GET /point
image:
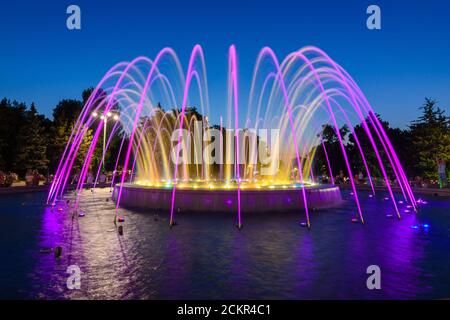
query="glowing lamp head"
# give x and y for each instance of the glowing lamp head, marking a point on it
(116, 117)
(94, 114)
(109, 114)
(102, 117)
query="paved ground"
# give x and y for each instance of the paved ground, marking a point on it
(433, 191)
(20, 187)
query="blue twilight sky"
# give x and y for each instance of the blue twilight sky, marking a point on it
(396, 67)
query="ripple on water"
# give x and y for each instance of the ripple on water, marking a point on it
(206, 257)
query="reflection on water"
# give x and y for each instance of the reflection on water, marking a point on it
(205, 256)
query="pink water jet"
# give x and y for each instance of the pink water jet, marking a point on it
(296, 96)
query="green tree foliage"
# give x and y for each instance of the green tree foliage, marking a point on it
(430, 138)
(29, 140)
(12, 120)
(67, 111)
(65, 116)
(59, 137)
(399, 139)
(334, 150)
(83, 150)
(32, 143)
(113, 148)
(418, 148)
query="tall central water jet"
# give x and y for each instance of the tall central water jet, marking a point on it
(177, 154)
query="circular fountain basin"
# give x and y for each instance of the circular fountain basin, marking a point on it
(225, 200)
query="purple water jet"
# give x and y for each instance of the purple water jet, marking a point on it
(297, 97)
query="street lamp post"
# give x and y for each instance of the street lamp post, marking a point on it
(104, 118)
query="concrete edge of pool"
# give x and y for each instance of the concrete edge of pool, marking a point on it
(223, 200)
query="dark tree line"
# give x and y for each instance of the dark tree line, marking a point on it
(419, 147)
(29, 140)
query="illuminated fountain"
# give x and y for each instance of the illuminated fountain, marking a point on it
(252, 159)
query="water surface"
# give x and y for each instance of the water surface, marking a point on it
(206, 257)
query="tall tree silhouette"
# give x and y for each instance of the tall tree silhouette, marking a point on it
(32, 143)
(431, 139)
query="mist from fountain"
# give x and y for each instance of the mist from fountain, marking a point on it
(296, 97)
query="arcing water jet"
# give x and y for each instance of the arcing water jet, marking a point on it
(296, 97)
